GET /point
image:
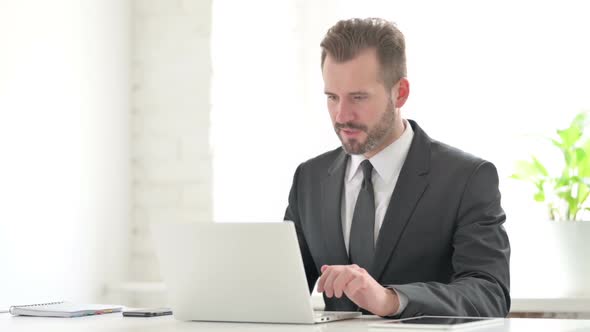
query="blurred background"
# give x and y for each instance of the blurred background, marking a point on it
(118, 113)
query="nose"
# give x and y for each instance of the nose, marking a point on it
(344, 112)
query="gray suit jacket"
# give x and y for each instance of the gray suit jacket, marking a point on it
(441, 243)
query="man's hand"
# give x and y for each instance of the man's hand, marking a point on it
(358, 285)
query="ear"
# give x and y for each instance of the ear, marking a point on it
(400, 92)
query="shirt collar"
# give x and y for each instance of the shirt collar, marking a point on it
(388, 161)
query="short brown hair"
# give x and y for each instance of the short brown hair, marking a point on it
(347, 38)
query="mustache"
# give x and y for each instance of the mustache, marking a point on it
(350, 125)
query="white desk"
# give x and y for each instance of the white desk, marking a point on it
(561, 305)
(520, 304)
(116, 322)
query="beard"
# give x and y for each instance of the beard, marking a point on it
(375, 135)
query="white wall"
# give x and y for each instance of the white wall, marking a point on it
(485, 76)
(64, 116)
(171, 159)
(64, 157)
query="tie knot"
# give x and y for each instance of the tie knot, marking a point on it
(367, 171)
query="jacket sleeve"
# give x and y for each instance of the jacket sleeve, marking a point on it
(481, 253)
(292, 214)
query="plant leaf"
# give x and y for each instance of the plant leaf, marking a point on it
(584, 165)
(563, 181)
(527, 171)
(569, 136)
(580, 120)
(556, 143)
(539, 167)
(580, 155)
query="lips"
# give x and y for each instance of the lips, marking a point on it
(350, 132)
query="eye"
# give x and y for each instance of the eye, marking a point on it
(332, 97)
(359, 98)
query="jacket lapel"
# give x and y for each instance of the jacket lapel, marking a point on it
(411, 184)
(331, 216)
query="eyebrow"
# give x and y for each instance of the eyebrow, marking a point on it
(354, 93)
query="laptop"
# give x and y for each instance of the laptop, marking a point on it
(236, 272)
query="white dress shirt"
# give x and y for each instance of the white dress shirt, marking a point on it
(387, 165)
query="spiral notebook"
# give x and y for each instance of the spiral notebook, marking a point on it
(63, 309)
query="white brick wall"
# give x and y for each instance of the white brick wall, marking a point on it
(171, 161)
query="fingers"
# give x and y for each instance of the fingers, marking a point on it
(359, 286)
(323, 278)
(329, 275)
(341, 281)
(335, 278)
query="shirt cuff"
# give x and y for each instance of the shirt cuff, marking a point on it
(403, 301)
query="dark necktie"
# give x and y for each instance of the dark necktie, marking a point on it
(362, 231)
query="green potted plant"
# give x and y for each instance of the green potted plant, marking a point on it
(566, 196)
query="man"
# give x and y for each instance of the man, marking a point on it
(394, 223)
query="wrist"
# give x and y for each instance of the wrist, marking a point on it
(391, 304)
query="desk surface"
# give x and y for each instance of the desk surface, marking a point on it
(116, 322)
(564, 305)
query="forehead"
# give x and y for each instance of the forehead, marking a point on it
(359, 73)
